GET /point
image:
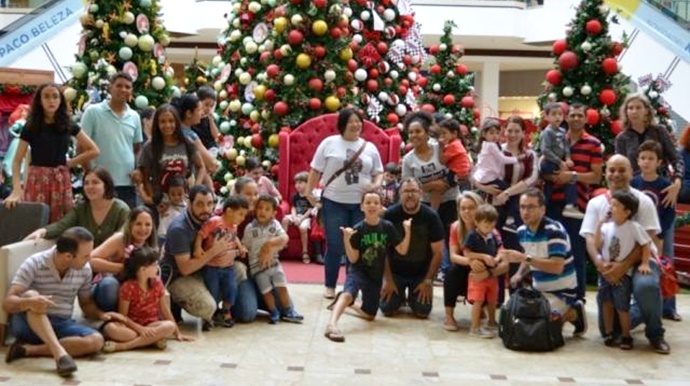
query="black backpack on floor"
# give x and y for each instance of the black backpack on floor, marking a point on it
(525, 323)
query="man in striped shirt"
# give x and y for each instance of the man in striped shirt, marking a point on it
(588, 156)
(547, 256)
(41, 301)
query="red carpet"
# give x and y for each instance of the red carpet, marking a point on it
(298, 272)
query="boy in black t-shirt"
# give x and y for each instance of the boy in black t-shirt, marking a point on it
(367, 246)
(300, 215)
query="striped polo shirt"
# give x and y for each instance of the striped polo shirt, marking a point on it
(585, 152)
(38, 273)
(548, 242)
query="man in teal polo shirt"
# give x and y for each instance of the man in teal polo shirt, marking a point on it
(116, 129)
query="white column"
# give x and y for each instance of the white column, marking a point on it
(488, 88)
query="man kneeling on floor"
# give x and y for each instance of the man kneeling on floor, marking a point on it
(41, 301)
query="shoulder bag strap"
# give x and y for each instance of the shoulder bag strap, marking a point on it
(347, 164)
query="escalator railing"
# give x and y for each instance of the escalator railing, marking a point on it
(30, 31)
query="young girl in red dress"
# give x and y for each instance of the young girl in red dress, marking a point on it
(48, 130)
(142, 302)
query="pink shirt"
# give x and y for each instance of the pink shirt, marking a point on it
(267, 187)
(491, 162)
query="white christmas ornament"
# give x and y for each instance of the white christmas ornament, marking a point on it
(131, 40)
(389, 14)
(235, 105)
(383, 96)
(653, 94)
(254, 7)
(296, 20)
(400, 110)
(436, 87)
(243, 61)
(329, 75)
(416, 59)
(586, 46)
(223, 95)
(245, 78)
(217, 85)
(223, 105)
(127, 17)
(99, 24)
(247, 108)
(141, 101)
(289, 80)
(394, 74)
(146, 42)
(70, 94)
(125, 53)
(585, 90)
(365, 15)
(568, 91)
(553, 96)
(250, 47)
(347, 11)
(158, 83)
(176, 91)
(361, 74)
(357, 38)
(450, 74)
(236, 23)
(443, 47)
(235, 35)
(356, 25)
(238, 72)
(412, 76)
(216, 60)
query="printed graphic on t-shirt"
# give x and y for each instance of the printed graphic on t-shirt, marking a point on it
(352, 172)
(614, 248)
(174, 166)
(430, 173)
(374, 245)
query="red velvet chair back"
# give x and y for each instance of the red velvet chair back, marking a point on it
(297, 147)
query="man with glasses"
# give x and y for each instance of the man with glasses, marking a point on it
(409, 278)
(548, 259)
(646, 307)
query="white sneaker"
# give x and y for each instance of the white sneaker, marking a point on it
(481, 333)
(572, 211)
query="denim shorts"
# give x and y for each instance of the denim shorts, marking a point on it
(63, 327)
(371, 291)
(618, 294)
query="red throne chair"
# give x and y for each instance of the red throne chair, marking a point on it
(297, 148)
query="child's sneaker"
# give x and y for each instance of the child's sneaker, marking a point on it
(571, 211)
(510, 225)
(275, 316)
(292, 316)
(480, 332)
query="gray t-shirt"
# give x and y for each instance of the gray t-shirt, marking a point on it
(554, 145)
(174, 161)
(427, 171)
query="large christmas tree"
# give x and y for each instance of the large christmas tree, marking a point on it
(450, 87)
(278, 66)
(121, 36)
(587, 71)
(388, 56)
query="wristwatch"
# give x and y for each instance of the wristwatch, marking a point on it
(574, 177)
(528, 259)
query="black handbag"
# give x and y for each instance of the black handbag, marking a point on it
(526, 323)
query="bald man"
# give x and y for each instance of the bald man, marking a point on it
(647, 306)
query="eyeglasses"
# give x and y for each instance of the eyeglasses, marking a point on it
(410, 191)
(529, 207)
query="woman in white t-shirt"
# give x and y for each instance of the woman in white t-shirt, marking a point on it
(349, 166)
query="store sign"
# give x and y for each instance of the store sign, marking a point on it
(655, 24)
(34, 32)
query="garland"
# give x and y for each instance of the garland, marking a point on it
(17, 89)
(682, 220)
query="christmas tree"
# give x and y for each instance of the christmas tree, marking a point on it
(450, 88)
(588, 72)
(121, 36)
(653, 88)
(278, 66)
(195, 74)
(388, 56)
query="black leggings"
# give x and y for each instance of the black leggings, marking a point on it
(455, 284)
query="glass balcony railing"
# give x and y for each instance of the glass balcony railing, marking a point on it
(30, 4)
(678, 10)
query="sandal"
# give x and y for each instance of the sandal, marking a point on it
(626, 343)
(305, 258)
(451, 326)
(334, 335)
(109, 347)
(609, 340)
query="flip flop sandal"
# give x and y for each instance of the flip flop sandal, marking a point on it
(334, 335)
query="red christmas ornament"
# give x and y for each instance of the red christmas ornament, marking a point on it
(449, 99)
(255, 128)
(392, 118)
(372, 85)
(402, 90)
(316, 84)
(554, 77)
(467, 102)
(559, 47)
(458, 49)
(593, 27)
(382, 48)
(616, 48)
(607, 97)
(567, 60)
(616, 127)
(257, 141)
(405, 82)
(433, 50)
(269, 95)
(295, 37)
(272, 70)
(422, 81)
(461, 69)
(336, 33)
(319, 51)
(407, 60)
(429, 108)
(388, 82)
(275, 170)
(280, 108)
(477, 115)
(373, 73)
(314, 103)
(341, 92)
(277, 54)
(320, 3)
(435, 69)
(246, 18)
(610, 66)
(592, 117)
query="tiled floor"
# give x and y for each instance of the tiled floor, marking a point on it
(398, 351)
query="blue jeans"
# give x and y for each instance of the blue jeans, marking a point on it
(619, 295)
(448, 212)
(220, 282)
(570, 190)
(405, 286)
(128, 194)
(63, 327)
(647, 304)
(246, 302)
(336, 215)
(105, 293)
(578, 245)
(355, 282)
